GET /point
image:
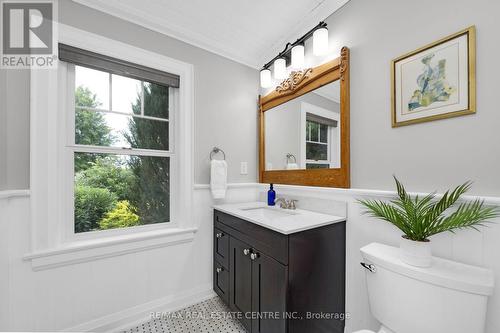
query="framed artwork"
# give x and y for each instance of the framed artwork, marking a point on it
(436, 81)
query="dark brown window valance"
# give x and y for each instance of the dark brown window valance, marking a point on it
(105, 63)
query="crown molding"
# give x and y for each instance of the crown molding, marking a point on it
(150, 22)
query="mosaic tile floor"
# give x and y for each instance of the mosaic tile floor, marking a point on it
(204, 317)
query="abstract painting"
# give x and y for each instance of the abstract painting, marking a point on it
(432, 85)
(436, 81)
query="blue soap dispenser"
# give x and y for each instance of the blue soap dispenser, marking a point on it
(271, 196)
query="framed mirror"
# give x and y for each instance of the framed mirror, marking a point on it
(304, 127)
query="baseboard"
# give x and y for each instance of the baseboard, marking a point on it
(136, 315)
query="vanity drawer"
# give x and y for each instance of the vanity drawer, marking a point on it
(221, 247)
(268, 241)
(221, 281)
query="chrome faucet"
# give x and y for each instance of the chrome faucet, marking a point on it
(286, 203)
(283, 202)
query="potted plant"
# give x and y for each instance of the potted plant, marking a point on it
(422, 217)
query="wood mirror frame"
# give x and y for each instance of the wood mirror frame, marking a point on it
(298, 84)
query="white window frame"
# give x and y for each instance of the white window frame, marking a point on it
(333, 135)
(69, 112)
(328, 144)
(51, 163)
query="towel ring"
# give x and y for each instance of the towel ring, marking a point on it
(290, 156)
(217, 150)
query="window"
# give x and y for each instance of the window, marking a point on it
(318, 145)
(53, 150)
(319, 137)
(122, 150)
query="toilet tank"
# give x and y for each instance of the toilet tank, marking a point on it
(444, 298)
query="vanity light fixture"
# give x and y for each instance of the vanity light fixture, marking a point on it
(320, 41)
(298, 56)
(266, 80)
(280, 69)
(293, 55)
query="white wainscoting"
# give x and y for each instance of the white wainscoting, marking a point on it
(96, 295)
(105, 293)
(117, 292)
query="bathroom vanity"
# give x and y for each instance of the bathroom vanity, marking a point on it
(280, 270)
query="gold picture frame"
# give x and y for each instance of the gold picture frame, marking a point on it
(428, 104)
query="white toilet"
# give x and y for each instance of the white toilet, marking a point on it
(448, 297)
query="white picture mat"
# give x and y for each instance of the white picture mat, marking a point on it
(407, 70)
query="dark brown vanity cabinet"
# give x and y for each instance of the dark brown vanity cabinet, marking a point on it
(281, 283)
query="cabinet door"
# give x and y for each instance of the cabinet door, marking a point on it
(269, 287)
(221, 282)
(240, 284)
(221, 247)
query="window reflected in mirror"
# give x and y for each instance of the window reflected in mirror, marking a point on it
(304, 133)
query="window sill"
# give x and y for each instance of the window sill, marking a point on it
(84, 251)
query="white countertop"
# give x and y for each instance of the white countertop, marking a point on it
(284, 221)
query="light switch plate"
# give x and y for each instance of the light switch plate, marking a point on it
(244, 168)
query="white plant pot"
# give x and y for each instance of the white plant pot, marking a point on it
(416, 253)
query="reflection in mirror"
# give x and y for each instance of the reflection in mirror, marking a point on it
(304, 133)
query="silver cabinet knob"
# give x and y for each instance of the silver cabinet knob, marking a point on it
(254, 256)
(219, 235)
(218, 270)
(246, 251)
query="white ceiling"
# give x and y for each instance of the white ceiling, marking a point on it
(249, 32)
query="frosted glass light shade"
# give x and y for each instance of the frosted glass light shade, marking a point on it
(320, 41)
(280, 69)
(265, 78)
(298, 56)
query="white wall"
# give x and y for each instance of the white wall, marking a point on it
(14, 129)
(3, 129)
(427, 156)
(431, 155)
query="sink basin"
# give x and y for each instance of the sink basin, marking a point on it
(268, 213)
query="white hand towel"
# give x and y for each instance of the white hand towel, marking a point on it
(218, 178)
(291, 166)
